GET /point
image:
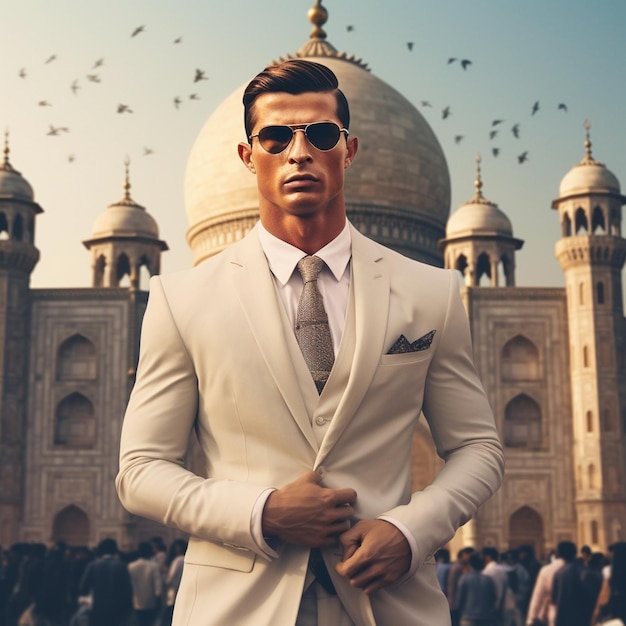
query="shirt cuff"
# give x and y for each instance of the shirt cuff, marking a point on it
(268, 545)
(412, 544)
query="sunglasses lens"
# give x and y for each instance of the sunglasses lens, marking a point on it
(275, 139)
(323, 135)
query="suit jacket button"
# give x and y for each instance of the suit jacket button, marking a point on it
(322, 471)
(320, 421)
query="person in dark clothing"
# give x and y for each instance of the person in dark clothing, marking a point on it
(612, 600)
(476, 595)
(591, 581)
(108, 582)
(526, 558)
(567, 592)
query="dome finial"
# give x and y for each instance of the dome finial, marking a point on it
(588, 158)
(318, 16)
(127, 197)
(6, 165)
(478, 182)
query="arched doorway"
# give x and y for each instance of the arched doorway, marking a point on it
(71, 525)
(526, 528)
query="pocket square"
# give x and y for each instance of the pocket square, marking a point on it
(402, 344)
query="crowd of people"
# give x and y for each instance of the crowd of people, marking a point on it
(78, 586)
(572, 588)
(64, 586)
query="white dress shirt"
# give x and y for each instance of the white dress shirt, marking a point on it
(334, 285)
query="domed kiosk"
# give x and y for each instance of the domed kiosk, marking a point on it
(397, 190)
(125, 238)
(479, 239)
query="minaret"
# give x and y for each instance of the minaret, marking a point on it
(18, 257)
(125, 238)
(591, 253)
(479, 240)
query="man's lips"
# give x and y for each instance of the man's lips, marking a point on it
(300, 179)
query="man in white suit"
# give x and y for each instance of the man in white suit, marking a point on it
(305, 513)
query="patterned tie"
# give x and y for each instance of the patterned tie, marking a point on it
(312, 330)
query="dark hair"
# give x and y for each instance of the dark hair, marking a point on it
(476, 561)
(294, 76)
(107, 546)
(566, 550)
(145, 550)
(491, 552)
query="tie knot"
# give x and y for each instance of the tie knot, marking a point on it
(310, 267)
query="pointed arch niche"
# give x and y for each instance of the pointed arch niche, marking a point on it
(76, 359)
(71, 525)
(75, 423)
(519, 360)
(522, 423)
(526, 528)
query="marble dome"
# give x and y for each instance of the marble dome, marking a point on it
(13, 185)
(478, 217)
(125, 218)
(397, 189)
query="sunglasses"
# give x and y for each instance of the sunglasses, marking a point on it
(321, 135)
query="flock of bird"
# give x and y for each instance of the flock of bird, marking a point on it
(124, 108)
(446, 112)
(94, 76)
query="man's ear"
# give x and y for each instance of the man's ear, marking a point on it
(245, 154)
(353, 146)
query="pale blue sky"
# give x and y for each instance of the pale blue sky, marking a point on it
(551, 51)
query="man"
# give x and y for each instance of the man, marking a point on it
(107, 581)
(147, 583)
(476, 595)
(457, 569)
(541, 611)
(306, 515)
(506, 613)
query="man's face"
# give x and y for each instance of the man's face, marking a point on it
(301, 181)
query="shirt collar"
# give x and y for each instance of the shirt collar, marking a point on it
(282, 257)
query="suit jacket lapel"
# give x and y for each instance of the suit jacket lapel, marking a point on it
(370, 285)
(255, 287)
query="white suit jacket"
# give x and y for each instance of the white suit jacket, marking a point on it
(217, 356)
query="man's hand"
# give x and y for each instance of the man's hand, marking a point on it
(375, 554)
(304, 513)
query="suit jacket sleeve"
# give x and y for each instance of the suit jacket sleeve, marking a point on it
(153, 481)
(463, 428)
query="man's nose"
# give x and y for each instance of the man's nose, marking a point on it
(300, 148)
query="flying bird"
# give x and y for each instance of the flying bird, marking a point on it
(44, 103)
(562, 106)
(425, 103)
(535, 108)
(22, 73)
(98, 63)
(94, 78)
(409, 45)
(177, 101)
(515, 130)
(51, 58)
(495, 151)
(71, 158)
(446, 113)
(465, 63)
(137, 30)
(55, 130)
(496, 122)
(492, 134)
(451, 60)
(522, 157)
(124, 108)
(75, 87)
(349, 28)
(147, 151)
(194, 96)
(458, 139)
(200, 75)
(178, 39)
